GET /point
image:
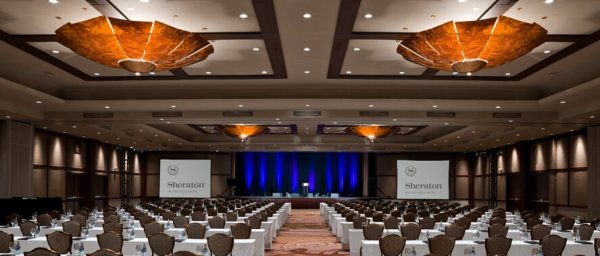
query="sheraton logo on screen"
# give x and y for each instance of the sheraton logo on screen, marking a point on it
(173, 184)
(411, 170)
(173, 170)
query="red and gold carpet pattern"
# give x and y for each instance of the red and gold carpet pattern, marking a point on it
(305, 233)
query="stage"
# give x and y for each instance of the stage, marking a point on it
(303, 202)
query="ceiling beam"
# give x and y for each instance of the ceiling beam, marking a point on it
(267, 20)
(347, 14)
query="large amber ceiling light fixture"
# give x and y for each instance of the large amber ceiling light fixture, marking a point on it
(371, 132)
(136, 46)
(472, 45)
(242, 131)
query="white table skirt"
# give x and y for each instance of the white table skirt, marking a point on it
(242, 247)
(518, 248)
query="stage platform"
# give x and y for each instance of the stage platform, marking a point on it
(303, 202)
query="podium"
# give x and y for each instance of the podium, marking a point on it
(305, 186)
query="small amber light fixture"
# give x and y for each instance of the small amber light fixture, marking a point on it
(242, 131)
(137, 46)
(371, 132)
(470, 46)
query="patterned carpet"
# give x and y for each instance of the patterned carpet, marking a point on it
(305, 233)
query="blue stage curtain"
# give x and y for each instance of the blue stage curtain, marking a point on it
(265, 173)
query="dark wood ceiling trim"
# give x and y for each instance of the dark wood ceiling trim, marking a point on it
(212, 77)
(559, 55)
(179, 73)
(24, 46)
(207, 36)
(429, 73)
(267, 20)
(379, 36)
(497, 8)
(422, 77)
(347, 15)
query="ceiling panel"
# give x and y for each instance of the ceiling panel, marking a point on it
(234, 57)
(194, 15)
(415, 15)
(42, 17)
(377, 57)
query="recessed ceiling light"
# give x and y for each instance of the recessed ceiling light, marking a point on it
(141, 130)
(469, 73)
(498, 107)
(462, 1)
(563, 101)
(368, 15)
(435, 106)
(306, 49)
(161, 119)
(256, 49)
(130, 8)
(240, 106)
(155, 135)
(307, 15)
(306, 71)
(592, 116)
(543, 129)
(8, 117)
(137, 73)
(445, 123)
(371, 106)
(145, 1)
(118, 138)
(349, 72)
(455, 73)
(244, 16)
(356, 49)
(279, 122)
(208, 72)
(307, 105)
(401, 72)
(38, 102)
(74, 126)
(507, 74)
(475, 8)
(510, 121)
(547, 51)
(96, 74)
(173, 106)
(53, 1)
(548, 1)
(55, 51)
(106, 107)
(98, 133)
(263, 72)
(517, 134)
(394, 119)
(152, 73)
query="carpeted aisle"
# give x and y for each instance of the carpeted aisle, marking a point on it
(305, 233)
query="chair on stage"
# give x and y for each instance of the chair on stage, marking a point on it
(392, 245)
(111, 240)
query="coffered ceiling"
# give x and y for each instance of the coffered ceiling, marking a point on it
(314, 76)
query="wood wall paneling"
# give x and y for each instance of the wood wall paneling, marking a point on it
(578, 195)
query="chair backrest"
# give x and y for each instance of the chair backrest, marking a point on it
(241, 231)
(585, 231)
(104, 252)
(412, 231)
(497, 245)
(220, 244)
(195, 231)
(111, 219)
(5, 240)
(54, 214)
(231, 216)
(111, 240)
(596, 246)
(532, 222)
(60, 241)
(216, 222)
(392, 245)
(114, 227)
(427, 223)
(168, 215)
(553, 245)
(359, 222)
(44, 219)
(409, 217)
(391, 222)
(145, 220)
(464, 221)
(79, 218)
(539, 231)
(13, 216)
(456, 231)
(497, 229)
(183, 253)
(161, 244)
(180, 221)
(372, 231)
(567, 223)
(441, 245)
(26, 227)
(212, 212)
(498, 220)
(41, 251)
(378, 217)
(254, 222)
(198, 216)
(153, 228)
(72, 227)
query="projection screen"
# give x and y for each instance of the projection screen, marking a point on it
(423, 179)
(184, 178)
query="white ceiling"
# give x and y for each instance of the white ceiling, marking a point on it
(574, 79)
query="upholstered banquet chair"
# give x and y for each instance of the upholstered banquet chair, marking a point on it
(254, 222)
(26, 227)
(497, 229)
(464, 221)
(427, 223)
(391, 222)
(216, 222)
(111, 219)
(497, 245)
(161, 244)
(145, 220)
(180, 221)
(183, 253)
(409, 217)
(585, 232)
(392, 245)
(498, 220)
(13, 216)
(44, 220)
(456, 231)
(41, 251)
(79, 218)
(359, 222)
(198, 216)
(220, 244)
(378, 217)
(539, 231)
(195, 231)
(241, 231)
(104, 252)
(72, 227)
(567, 223)
(60, 241)
(411, 231)
(441, 245)
(532, 222)
(114, 227)
(231, 216)
(553, 245)
(111, 240)
(372, 231)
(153, 228)
(5, 240)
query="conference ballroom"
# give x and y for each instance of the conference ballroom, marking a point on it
(299, 127)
